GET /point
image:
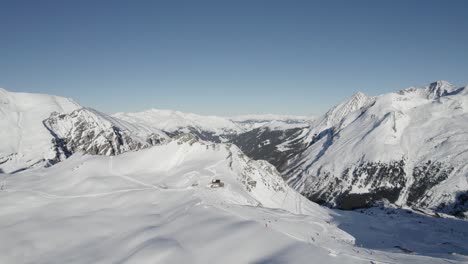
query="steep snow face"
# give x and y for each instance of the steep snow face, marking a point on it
(157, 206)
(408, 147)
(174, 121)
(92, 132)
(24, 141)
(335, 115)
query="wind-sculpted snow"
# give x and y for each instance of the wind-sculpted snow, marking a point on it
(156, 206)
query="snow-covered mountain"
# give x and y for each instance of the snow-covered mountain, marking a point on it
(164, 205)
(174, 122)
(41, 130)
(409, 147)
(272, 122)
(279, 145)
(46, 129)
(211, 128)
(156, 179)
(335, 115)
(157, 205)
(24, 141)
(92, 132)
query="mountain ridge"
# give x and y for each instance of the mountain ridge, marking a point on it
(362, 150)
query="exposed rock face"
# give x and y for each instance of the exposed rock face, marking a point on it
(439, 89)
(359, 186)
(426, 177)
(24, 141)
(95, 133)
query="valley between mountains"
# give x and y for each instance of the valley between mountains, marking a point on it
(376, 179)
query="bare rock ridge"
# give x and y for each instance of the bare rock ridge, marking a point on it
(91, 132)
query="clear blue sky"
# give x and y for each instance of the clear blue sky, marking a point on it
(229, 57)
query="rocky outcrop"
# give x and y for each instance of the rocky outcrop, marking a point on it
(359, 186)
(91, 132)
(425, 177)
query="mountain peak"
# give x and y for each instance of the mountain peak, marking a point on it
(441, 83)
(355, 102)
(357, 98)
(440, 88)
(359, 94)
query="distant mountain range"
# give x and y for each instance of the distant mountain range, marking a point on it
(409, 147)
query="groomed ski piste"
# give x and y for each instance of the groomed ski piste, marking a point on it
(157, 205)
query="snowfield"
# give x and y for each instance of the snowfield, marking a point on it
(156, 206)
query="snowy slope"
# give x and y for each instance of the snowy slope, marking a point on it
(24, 141)
(335, 115)
(172, 121)
(156, 206)
(409, 147)
(280, 140)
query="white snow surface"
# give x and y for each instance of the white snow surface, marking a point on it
(170, 121)
(415, 124)
(156, 206)
(24, 140)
